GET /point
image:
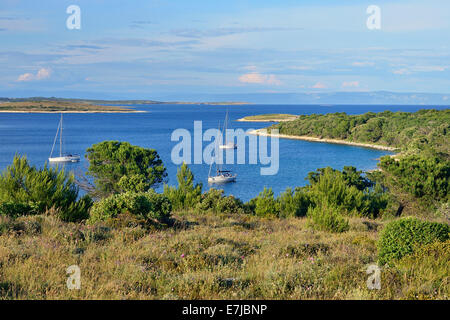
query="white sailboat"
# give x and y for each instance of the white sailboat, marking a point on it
(62, 157)
(231, 144)
(222, 176)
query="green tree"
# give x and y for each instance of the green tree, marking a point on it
(265, 204)
(121, 167)
(328, 218)
(293, 204)
(24, 189)
(187, 195)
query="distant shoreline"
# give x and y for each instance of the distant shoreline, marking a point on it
(333, 141)
(67, 111)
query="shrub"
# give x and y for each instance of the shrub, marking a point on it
(349, 191)
(148, 205)
(331, 187)
(265, 204)
(187, 195)
(13, 209)
(293, 204)
(401, 237)
(214, 201)
(27, 190)
(327, 218)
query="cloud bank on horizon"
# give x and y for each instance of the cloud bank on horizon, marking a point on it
(156, 49)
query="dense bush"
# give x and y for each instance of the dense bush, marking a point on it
(147, 205)
(348, 191)
(215, 201)
(293, 204)
(14, 209)
(401, 237)
(187, 195)
(427, 178)
(35, 191)
(120, 167)
(327, 218)
(350, 175)
(266, 204)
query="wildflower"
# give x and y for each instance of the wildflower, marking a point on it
(182, 255)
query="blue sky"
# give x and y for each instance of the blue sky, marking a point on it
(158, 49)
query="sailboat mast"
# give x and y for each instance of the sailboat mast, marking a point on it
(218, 166)
(60, 136)
(225, 128)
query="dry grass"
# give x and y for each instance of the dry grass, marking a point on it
(204, 257)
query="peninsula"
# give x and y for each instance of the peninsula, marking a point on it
(62, 105)
(49, 106)
(423, 131)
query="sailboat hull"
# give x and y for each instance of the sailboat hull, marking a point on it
(228, 146)
(222, 179)
(65, 159)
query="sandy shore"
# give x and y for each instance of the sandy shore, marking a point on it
(266, 120)
(312, 139)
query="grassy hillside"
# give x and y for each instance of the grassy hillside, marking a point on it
(209, 257)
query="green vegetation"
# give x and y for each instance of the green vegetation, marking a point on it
(404, 236)
(311, 242)
(425, 131)
(25, 190)
(423, 178)
(418, 179)
(186, 196)
(120, 167)
(149, 206)
(328, 218)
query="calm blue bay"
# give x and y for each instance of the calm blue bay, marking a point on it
(32, 135)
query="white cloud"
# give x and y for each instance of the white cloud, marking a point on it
(42, 74)
(350, 84)
(319, 85)
(25, 77)
(259, 78)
